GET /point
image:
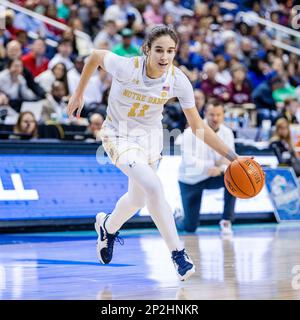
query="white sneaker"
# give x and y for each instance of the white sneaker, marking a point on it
(225, 226)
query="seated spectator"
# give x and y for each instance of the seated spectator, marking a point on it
(175, 8)
(223, 76)
(258, 71)
(35, 61)
(64, 51)
(13, 84)
(290, 110)
(264, 101)
(14, 51)
(48, 77)
(51, 12)
(64, 9)
(125, 15)
(202, 168)
(9, 16)
(126, 48)
(210, 86)
(154, 13)
(94, 127)
(55, 106)
(282, 145)
(108, 34)
(26, 126)
(23, 39)
(200, 101)
(190, 60)
(239, 88)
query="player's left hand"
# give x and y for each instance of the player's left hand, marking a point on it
(75, 103)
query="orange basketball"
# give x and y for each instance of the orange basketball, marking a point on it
(244, 178)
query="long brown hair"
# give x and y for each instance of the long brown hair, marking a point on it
(277, 137)
(17, 127)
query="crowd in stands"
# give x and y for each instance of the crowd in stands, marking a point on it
(225, 54)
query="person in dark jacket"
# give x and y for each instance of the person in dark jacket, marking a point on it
(263, 99)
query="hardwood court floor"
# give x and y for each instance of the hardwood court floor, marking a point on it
(256, 263)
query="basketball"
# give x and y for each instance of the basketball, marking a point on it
(244, 178)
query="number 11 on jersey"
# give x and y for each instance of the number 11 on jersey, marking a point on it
(137, 110)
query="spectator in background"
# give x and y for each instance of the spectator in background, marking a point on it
(48, 77)
(263, 99)
(13, 52)
(94, 127)
(281, 144)
(290, 110)
(258, 71)
(64, 51)
(200, 101)
(125, 15)
(174, 8)
(55, 105)
(108, 34)
(223, 76)
(126, 48)
(64, 9)
(22, 38)
(26, 126)
(35, 61)
(154, 13)
(239, 89)
(13, 84)
(51, 12)
(202, 168)
(210, 86)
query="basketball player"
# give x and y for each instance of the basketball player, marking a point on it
(132, 135)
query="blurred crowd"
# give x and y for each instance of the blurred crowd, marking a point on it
(223, 51)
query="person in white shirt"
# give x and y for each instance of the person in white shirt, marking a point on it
(64, 51)
(108, 34)
(132, 135)
(202, 168)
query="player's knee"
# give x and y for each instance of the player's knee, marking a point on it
(138, 202)
(153, 189)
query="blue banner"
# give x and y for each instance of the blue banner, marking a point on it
(284, 192)
(57, 186)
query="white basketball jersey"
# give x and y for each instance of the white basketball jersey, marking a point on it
(135, 102)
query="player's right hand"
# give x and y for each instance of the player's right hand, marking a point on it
(75, 103)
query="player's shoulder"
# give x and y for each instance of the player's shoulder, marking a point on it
(179, 77)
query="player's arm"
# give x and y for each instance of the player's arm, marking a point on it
(204, 132)
(95, 60)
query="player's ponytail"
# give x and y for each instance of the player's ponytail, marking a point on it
(157, 32)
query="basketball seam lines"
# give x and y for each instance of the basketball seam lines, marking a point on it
(249, 178)
(236, 184)
(262, 174)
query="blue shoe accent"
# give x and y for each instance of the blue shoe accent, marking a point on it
(105, 243)
(183, 264)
